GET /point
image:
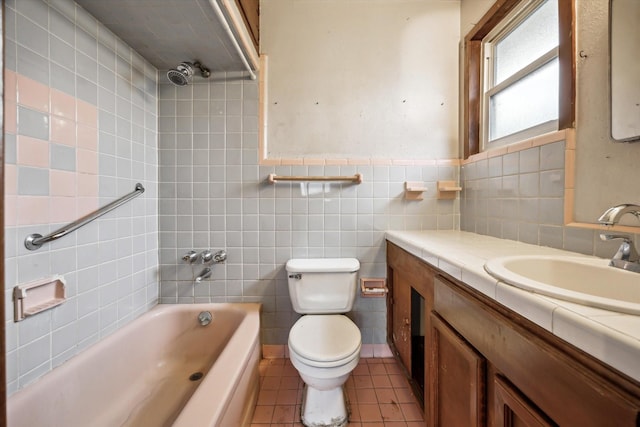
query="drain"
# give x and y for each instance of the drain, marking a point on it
(196, 376)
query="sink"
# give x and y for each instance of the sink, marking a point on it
(583, 280)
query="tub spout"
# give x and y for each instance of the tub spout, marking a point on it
(204, 274)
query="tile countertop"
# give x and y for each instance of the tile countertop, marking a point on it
(611, 337)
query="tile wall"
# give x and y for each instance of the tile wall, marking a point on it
(214, 195)
(81, 130)
(520, 196)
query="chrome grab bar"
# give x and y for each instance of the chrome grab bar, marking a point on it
(34, 241)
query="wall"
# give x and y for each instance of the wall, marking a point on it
(607, 172)
(520, 195)
(353, 79)
(213, 194)
(80, 109)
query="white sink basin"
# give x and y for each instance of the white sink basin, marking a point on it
(587, 281)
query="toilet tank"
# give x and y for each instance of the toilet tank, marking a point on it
(323, 285)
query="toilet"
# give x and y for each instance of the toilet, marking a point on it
(324, 345)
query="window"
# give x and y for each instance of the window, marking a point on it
(521, 74)
(519, 79)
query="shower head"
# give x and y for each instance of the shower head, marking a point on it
(183, 73)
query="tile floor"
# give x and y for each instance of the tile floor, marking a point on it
(378, 392)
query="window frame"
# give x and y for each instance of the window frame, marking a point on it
(473, 84)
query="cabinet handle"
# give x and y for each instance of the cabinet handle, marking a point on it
(406, 321)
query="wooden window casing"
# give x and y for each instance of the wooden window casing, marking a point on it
(473, 87)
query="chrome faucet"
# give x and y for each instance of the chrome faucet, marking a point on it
(204, 274)
(627, 257)
(612, 215)
(190, 257)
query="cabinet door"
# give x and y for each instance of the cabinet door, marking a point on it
(512, 409)
(458, 388)
(402, 318)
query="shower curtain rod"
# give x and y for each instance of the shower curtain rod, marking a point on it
(234, 41)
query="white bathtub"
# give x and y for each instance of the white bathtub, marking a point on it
(139, 376)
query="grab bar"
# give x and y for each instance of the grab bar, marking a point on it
(356, 179)
(34, 241)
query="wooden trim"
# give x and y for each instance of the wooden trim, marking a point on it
(250, 11)
(472, 86)
(492, 18)
(566, 56)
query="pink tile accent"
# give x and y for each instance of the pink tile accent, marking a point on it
(381, 350)
(86, 113)
(10, 210)
(10, 117)
(309, 161)
(10, 86)
(10, 179)
(63, 209)
(87, 185)
(357, 162)
(335, 162)
(63, 105)
(87, 161)
(32, 151)
(63, 131)
(272, 351)
(366, 350)
(32, 210)
(86, 205)
(62, 183)
(87, 137)
(33, 94)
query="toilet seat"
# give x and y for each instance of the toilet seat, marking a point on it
(325, 340)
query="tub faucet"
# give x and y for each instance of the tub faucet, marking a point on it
(612, 215)
(190, 257)
(204, 274)
(206, 257)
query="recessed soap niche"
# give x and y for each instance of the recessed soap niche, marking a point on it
(37, 296)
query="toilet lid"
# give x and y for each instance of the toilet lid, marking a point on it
(324, 338)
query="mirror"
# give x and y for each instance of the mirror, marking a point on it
(625, 69)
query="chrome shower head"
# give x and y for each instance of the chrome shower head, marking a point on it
(183, 73)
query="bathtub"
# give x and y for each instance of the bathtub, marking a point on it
(146, 374)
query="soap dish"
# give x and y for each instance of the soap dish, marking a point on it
(37, 296)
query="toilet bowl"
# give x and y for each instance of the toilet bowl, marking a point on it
(324, 345)
(324, 349)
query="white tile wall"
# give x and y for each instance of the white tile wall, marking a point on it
(520, 196)
(221, 200)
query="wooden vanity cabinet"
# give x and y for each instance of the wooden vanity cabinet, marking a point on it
(407, 274)
(457, 379)
(486, 365)
(532, 377)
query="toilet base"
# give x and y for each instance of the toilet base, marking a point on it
(324, 408)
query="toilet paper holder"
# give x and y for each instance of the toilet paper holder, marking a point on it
(373, 287)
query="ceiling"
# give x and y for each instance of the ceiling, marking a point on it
(167, 32)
